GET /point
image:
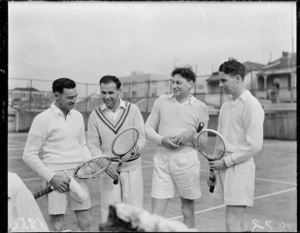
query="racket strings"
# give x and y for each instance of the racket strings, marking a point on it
(125, 142)
(92, 168)
(210, 145)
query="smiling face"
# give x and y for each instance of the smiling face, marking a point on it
(110, 95)
(66, 100)
(181, 87)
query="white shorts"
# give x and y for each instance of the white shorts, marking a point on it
(235, 185)
(176, 171)
(58, 202)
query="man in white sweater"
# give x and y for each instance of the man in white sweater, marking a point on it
(109, 119)
(241, 121)
(173, 125)
(55, 145)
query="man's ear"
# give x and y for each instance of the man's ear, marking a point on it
(239, 78)
(55, 94)
(191, 83)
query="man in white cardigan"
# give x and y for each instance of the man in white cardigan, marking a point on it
(55, 146)
(109, 119)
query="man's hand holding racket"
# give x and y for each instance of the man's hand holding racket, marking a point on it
(211, 145)
(89, 169)
(217, 164)
(60, 182)
(122, 147)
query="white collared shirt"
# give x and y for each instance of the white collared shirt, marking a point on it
(241, 125)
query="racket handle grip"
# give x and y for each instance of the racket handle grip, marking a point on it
(43, 192)
(212, 178)
(117, 180)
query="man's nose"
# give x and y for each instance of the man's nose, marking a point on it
(221, 84)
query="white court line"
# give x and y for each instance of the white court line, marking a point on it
(147, 166)
(221, 206)
(276, 181)
(15, 147)
(31, 179)
(10, 141)
(14, 157)
(145, 161)
(258, 178)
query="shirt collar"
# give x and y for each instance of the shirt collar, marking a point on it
(56, 110)
(244, 96)
(191, 99)
(121, 105)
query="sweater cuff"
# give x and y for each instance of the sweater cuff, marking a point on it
(49, 176)
(159, 140)
(228, 161)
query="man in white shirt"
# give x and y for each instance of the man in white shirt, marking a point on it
(173, 125)
(241, 121)
(55, 145)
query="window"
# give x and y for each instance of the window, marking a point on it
(200, 86)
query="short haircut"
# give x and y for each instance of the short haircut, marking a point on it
(186, 73)
(59, 84)
(109, 79)
(232, 67)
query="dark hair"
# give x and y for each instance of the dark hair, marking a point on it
(186, 72)
(233, 67)
(109, 78)
(59, 84)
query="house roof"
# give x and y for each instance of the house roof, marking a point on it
(250, 66)
(25, 89)
(213, 78)
(285, 61)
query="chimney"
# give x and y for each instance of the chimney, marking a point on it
(285, 54)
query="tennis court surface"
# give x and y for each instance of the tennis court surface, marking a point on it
(275, 193)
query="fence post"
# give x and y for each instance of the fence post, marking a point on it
(86, 99)
(30, 93)
(129, 91)
(148, 92)
(195, 87)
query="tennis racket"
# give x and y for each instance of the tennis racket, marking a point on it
(89, 169)
(211, 145)
(122, 144)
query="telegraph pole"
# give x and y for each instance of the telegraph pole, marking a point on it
(291, 63)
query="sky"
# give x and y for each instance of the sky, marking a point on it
(87, 40)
